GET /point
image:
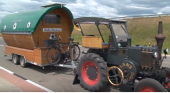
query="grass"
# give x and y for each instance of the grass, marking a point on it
(142, 30)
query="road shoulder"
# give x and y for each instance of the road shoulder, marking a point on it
(21, 83)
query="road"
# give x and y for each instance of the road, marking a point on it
(56, 79)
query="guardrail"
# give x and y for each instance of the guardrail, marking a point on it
(140, 16)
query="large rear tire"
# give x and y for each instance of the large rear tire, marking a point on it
(149, 85)
(167, 85)
(92, 72)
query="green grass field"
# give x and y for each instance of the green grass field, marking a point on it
(142, 30)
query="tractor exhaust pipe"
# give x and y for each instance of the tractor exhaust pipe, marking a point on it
(160, 39)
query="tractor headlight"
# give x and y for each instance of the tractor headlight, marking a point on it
(119, 45)
(155, 54)
(166, 51)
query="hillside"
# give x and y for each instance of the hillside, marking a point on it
(142, 30)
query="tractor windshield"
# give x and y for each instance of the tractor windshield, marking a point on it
(119, 29)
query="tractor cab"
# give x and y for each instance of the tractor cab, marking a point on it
(113, 36)
(113, 42)
(118, 35)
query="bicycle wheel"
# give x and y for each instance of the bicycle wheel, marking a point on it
(53, 55)
(76, 52)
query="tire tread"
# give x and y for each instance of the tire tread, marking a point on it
(149, 82)
(103, 72)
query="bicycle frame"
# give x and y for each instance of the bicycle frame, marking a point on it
(61, 47)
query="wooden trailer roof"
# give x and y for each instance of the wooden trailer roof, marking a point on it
(28, 21)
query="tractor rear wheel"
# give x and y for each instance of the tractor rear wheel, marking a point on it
(149, 85)
(92, 72)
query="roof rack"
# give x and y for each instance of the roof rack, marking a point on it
(50, 5)
(93, 19)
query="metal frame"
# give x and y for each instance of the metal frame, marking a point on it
(81, 30)
(103, 22)
(113, 37)
(97, 24)
(17, 32)
(73, 63)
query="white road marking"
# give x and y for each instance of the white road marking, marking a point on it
(39, 86)
(35, 84)
(6, 70)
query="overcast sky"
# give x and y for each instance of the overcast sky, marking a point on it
(98, 8)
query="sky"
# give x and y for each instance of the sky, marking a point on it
(92, 8)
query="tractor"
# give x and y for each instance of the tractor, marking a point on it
(118, 61)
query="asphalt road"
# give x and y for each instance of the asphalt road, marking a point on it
(56, 79)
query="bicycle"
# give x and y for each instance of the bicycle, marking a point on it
(57, 56)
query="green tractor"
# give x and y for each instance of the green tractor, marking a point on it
(119, 62)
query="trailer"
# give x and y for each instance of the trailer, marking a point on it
(27, 33)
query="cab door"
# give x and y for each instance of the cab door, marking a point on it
(118, 43)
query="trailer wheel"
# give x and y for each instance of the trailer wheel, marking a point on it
(92, 72)
(149, 85)
(15, 59)
(23, 62)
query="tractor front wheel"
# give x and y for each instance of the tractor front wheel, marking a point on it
(149, 85)
(92, 72)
